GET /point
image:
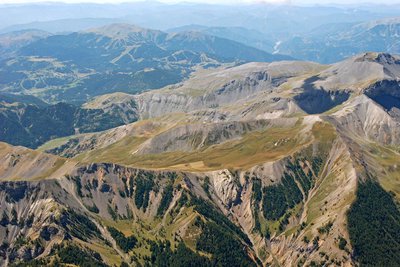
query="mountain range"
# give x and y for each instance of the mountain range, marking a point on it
(287, 163)
(119, 57)
(252, 134)
(321, 33)
(327, 43)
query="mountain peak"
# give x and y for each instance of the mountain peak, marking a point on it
(120, 30)
(360, 71)
(381, 58)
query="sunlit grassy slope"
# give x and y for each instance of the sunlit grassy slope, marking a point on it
(388, 167)
(253, 148)
(25, 164)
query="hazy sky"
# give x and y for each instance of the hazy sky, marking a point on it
(213, 1)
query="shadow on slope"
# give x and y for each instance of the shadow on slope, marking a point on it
(385, 93)
(315, 101)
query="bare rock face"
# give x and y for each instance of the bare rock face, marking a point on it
(227, 187)
(220, 88)
(365, 118)
(30, 212)
(154, 105)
